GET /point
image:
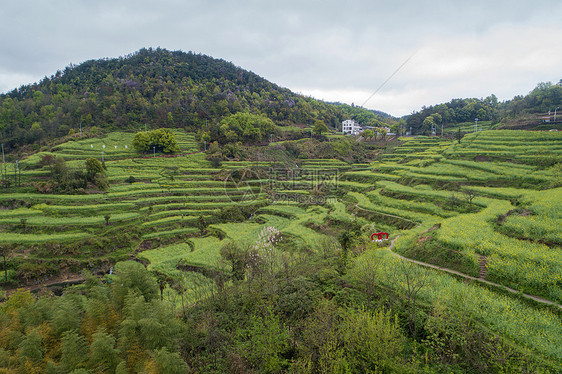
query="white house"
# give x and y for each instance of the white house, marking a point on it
(350, 126)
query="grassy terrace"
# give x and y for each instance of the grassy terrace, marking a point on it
(452, 192)
(488, 207)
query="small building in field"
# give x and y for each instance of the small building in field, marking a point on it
(351, 127)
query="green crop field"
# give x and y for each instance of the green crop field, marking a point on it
(489, 208)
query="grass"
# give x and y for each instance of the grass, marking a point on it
(410, 189)
(538, 329)
(69, 221)
(15, 238)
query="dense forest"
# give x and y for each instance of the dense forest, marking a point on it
(155, 88)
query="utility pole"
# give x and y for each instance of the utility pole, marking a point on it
(475, 124)
(154, 151)
(3, 160)
(16, 174)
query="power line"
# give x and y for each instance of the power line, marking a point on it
(387, 79)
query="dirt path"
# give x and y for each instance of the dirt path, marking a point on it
(482, 262)
(451, 271)
(60, 281)
(414, 223)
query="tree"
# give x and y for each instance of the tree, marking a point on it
(93, 167)
(74, 351)
(437, 118)
(372, 339)
(319, 127)
(368, 134)
(265, 342)
(160, 140)
(346, 239)
(169, 362)
(103, 356)
(428, 124)
(237, 258)
(246, 127)
(411, 280)
(132, 276)
(5, 252)
(459, 135)
(59, 169)
(469, 195)
(30, 347)
(202, 224)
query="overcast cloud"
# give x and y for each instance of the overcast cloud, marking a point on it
(332, 50)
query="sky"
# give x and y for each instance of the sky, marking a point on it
(393, 56)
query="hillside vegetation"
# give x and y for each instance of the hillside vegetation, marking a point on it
(266, 263)
(154, 88)
(532, 111)
(208, 221)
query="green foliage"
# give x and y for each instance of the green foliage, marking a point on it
(237, 258)
(373, 341)
(319, 128)
(74, 351)
(66, 316)
(169, 362)
(160, 140)
(368, 134)
(103, 352)
(132, 276)
(453, 112)
(30, 347)
(542, 99)
(93, 167)
(158, 88)
(264, 343)
(244, 127)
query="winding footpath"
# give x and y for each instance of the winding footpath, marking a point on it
(451, 271)
(58, 281)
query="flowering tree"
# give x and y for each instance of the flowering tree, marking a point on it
(261, 257)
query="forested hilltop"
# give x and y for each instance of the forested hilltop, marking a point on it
(532, 111)
(155, 88)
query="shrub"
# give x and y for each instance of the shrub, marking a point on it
(161, 140)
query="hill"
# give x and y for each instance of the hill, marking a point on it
(153, 88)
(534, 111)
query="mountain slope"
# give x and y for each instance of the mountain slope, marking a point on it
(152, 87)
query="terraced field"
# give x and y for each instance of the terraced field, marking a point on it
(488, 207)
(478, 201)
(155, 204)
